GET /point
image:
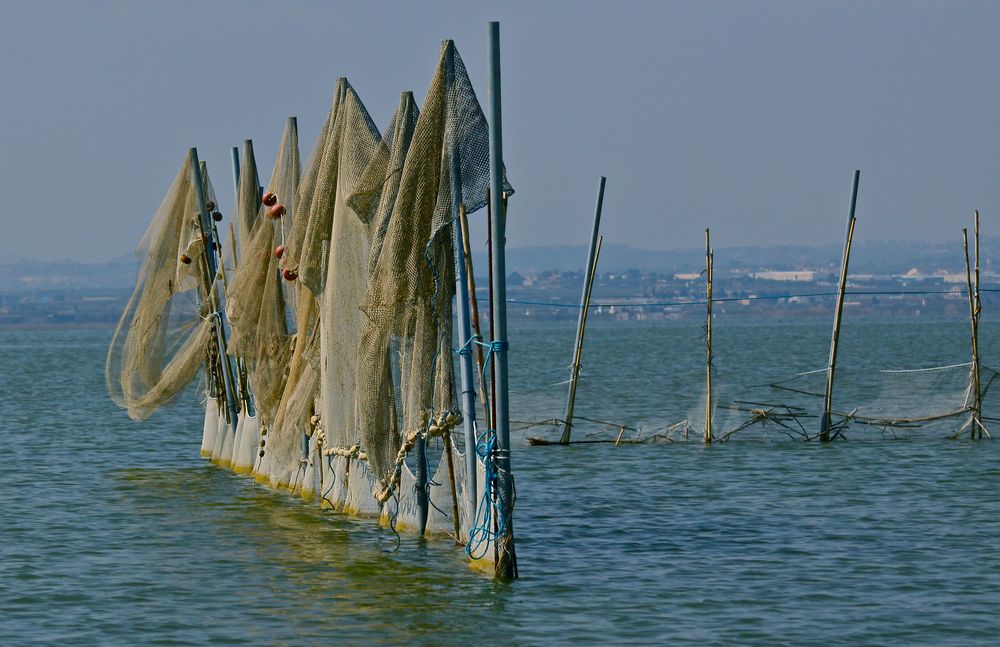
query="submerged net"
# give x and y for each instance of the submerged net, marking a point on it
(164, 333)
(889, 402)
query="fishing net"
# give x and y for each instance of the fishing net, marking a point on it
(407, 328)
(255, 299)
(328, 247)
(369, 189)
(891, 402)
(165, 331)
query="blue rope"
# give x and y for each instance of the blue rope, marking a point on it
(493, 506)
(467, 346)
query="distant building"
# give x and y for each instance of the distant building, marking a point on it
(794, 275)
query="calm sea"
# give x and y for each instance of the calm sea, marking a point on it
(115, 532)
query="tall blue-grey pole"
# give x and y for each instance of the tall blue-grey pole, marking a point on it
(588, 275)
(506, 560)
(465, 336)
(236, 171)
(213, 296)
(827, 423)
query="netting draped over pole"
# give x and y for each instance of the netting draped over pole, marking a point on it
(164, 333)
(408, 304)
(327, 248)
(256, 302)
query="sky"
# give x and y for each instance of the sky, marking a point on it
(746, 117)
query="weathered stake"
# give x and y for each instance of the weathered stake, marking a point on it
(824, 434)
(582, 319)
(474, 311)
(709, 263)
(976, 428)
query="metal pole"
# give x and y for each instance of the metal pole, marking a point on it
(241, 370)
(210, 242)
(578, 346)
(824, 434)
(465, 337)
(236, 171)
(506, 564)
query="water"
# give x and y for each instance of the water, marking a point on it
(115, 532)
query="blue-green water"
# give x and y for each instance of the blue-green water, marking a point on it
(115, 532)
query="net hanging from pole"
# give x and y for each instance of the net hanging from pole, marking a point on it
(407, 328)
(256, 305)
(164, 333)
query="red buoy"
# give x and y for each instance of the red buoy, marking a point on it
(290, 275)
(279, 251)
(269, 199)
(210, 205)
(216, 216)
(277, 211)
(185, 259)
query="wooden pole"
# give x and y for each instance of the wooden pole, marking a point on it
(975, 430)
(978, 366)
(824, 434)
(709, 262)
(506, 563)
(474, 310)
(578, 352)
(588, 274)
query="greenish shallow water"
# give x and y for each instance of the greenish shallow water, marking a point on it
(115, 532)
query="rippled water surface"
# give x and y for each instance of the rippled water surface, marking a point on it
(115, 532)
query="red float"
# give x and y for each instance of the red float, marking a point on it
(279, 251)
(277, 211)
(185, 259)
(269, 199)
(290, 275)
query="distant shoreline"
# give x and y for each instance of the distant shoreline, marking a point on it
(30, 327)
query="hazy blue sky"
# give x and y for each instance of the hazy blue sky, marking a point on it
(746, 116)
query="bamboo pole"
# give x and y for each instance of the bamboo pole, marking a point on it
(978, 364)
(588, 274)
(975, 429)
(824, 434)
(578, 353)
(474, 309)
(709, 264)
(506, 563)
